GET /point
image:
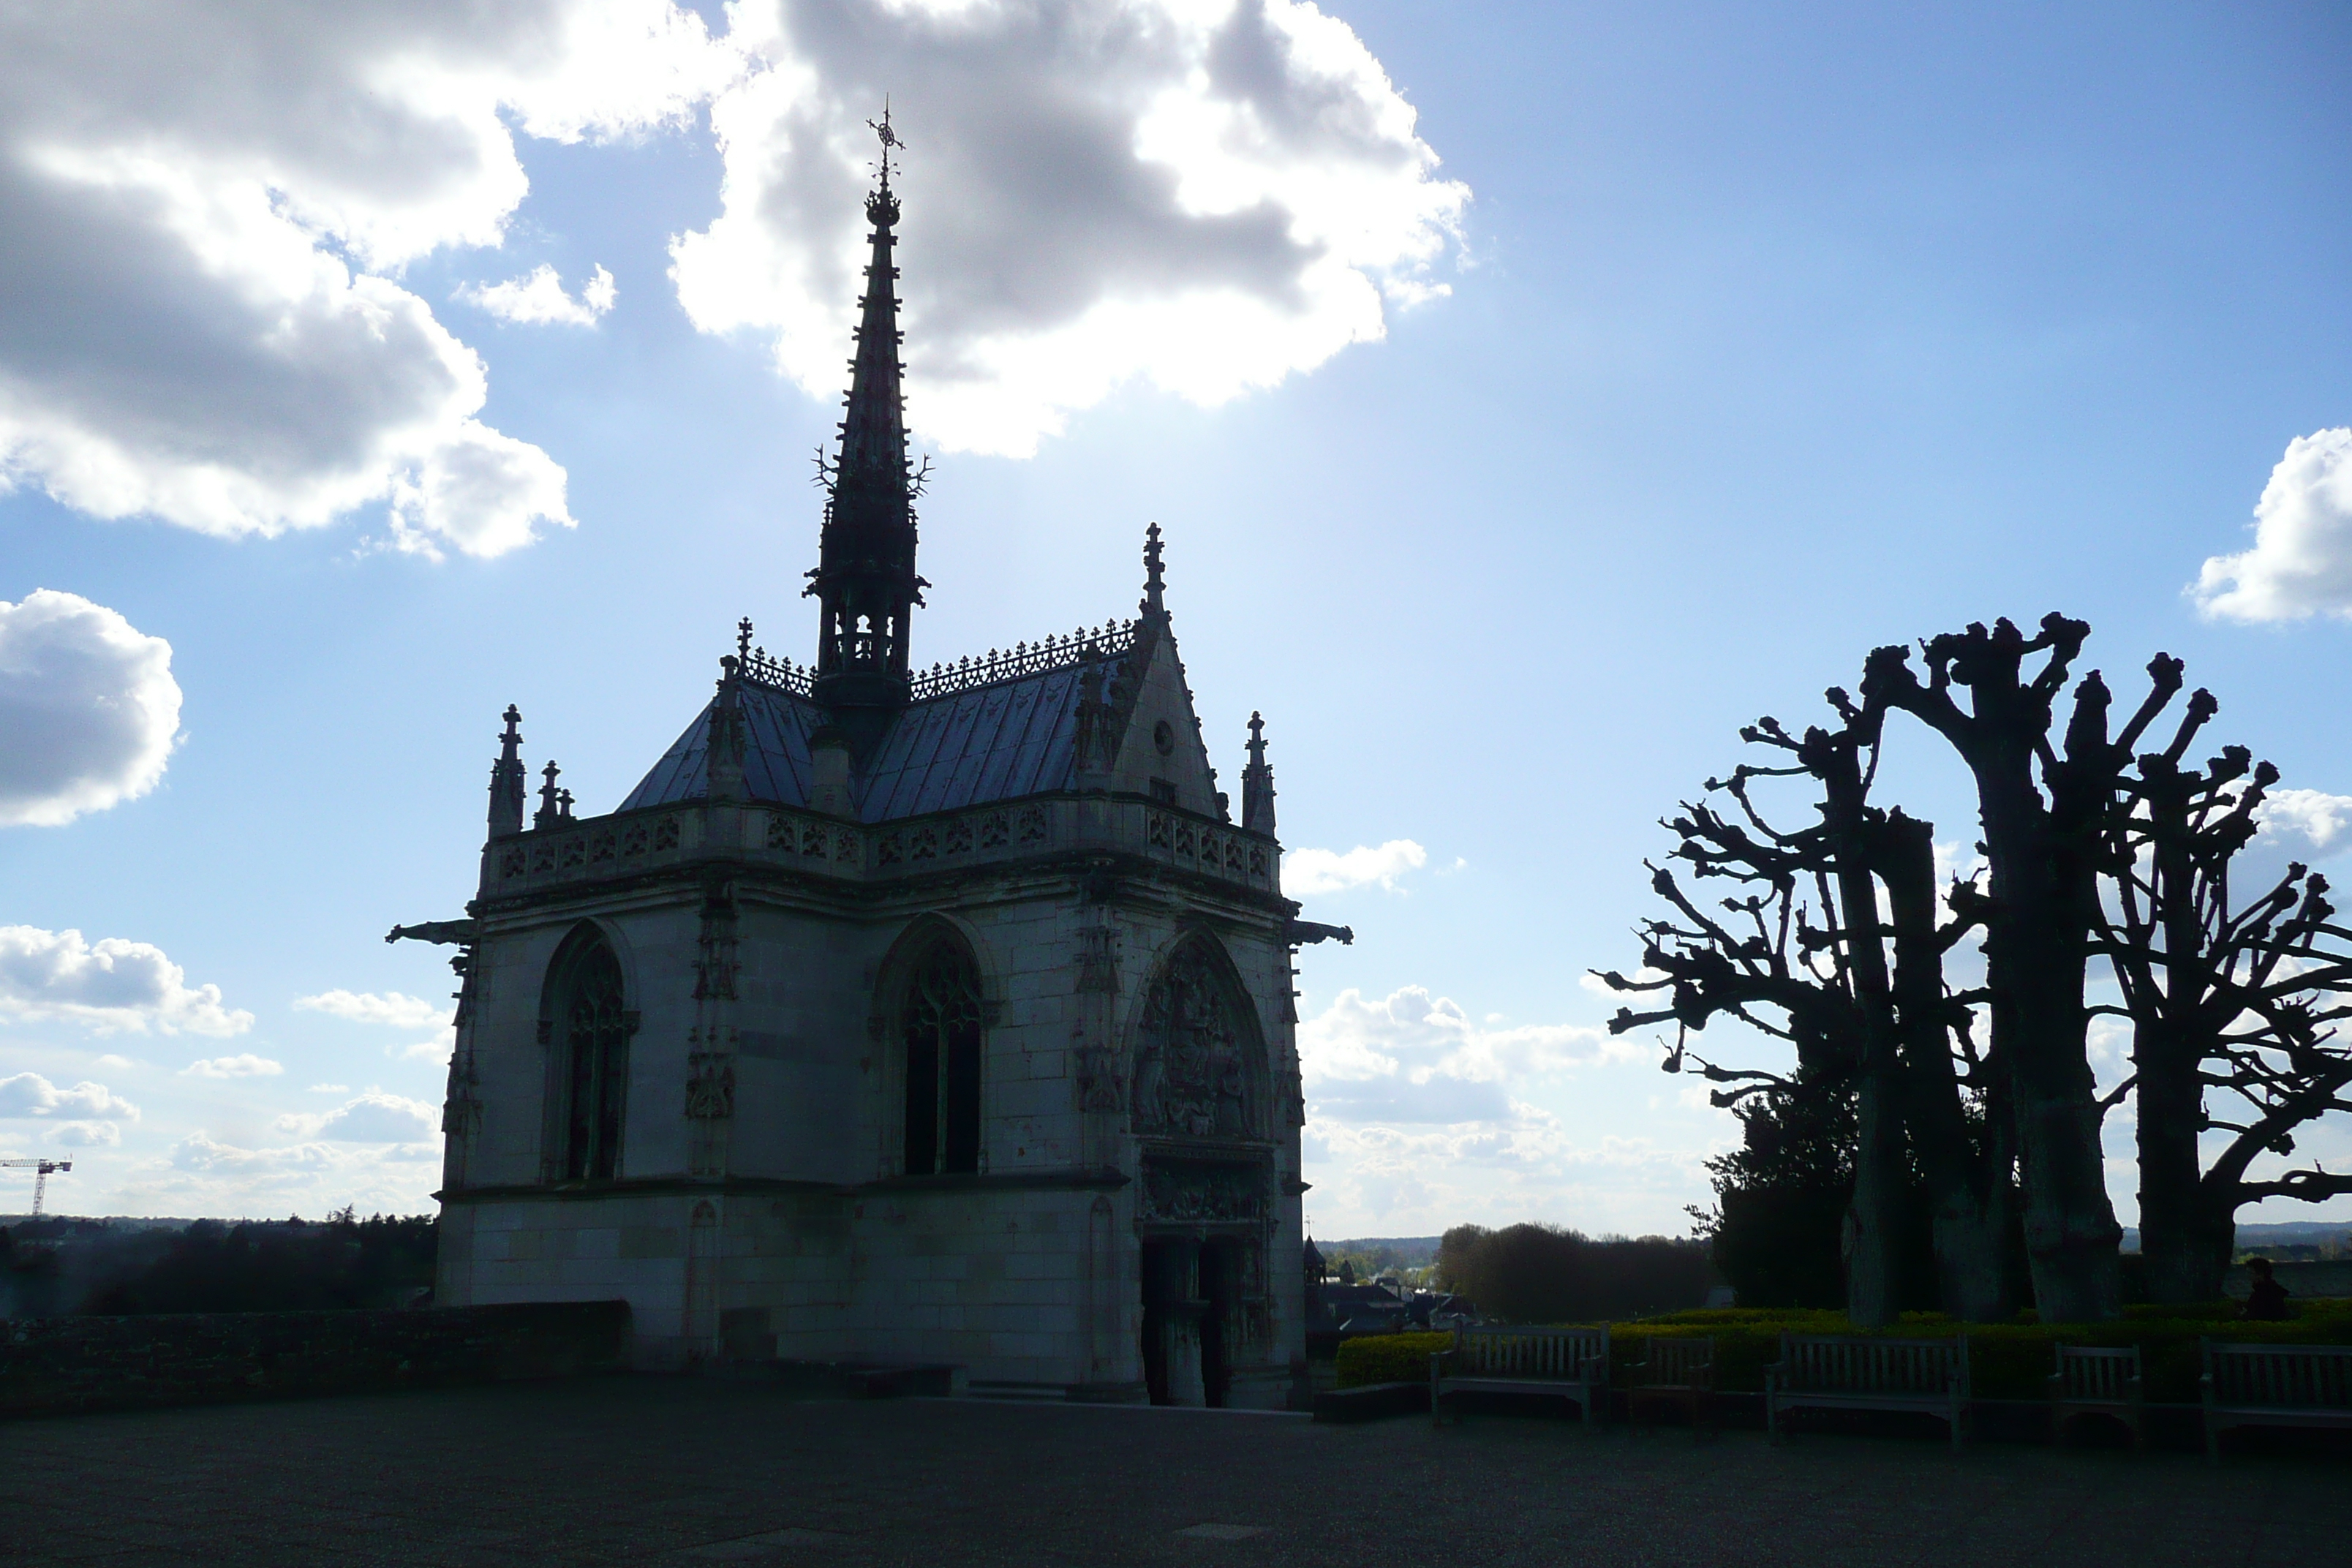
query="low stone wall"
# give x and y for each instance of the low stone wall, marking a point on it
(52, 1367)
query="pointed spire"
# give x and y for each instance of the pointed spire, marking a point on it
(551, 799)
(1257, 782)
(507, 779)
(1155, 584)
(865, 580)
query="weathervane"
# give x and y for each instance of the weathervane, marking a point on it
(890, 138)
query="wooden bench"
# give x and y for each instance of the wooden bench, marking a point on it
(1569, 1364)
(2274, 1385)
(1842, 1371)
(1676, 1373)
(2096, 1379)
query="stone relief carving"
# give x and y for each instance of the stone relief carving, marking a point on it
(1100, 1088)
(1192, 1075)
(710, 1081)
(1200, 1194)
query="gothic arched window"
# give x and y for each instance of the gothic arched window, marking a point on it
(941, 1017)
(591, 1034)
(1198, 1070)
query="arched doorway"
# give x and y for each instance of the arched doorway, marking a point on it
(1204, 1209)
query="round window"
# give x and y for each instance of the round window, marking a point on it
(1164, 737)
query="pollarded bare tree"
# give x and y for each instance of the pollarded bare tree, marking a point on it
(2046, 813)
(2227, 1001)
(1813, 957)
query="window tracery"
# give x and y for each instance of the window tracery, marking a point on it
(591, 1025)
(943, 1019)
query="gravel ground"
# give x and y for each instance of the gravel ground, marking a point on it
(688, 1471)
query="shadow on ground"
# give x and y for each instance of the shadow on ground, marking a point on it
(682, 1471)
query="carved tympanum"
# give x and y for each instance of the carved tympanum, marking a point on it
(1195, 1068)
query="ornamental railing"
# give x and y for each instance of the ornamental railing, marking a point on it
(796, 678)
(1110, 640)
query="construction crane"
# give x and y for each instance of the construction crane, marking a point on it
(41, 1170)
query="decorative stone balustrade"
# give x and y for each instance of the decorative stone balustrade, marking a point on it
(600, 847)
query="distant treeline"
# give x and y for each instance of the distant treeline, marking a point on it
(1543, 1274)
(250, 1266)
(1369, 1256)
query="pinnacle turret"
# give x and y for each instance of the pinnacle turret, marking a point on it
(1155, 582)
(507, 779)
(1257, 782)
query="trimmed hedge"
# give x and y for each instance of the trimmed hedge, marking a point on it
(1388, 1358)
(2006, 1361)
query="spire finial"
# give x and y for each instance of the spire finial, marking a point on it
(743, 639)
(1154, 582)
(890, 138)
(508, 778)
(551, 799)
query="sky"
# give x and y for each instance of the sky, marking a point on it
(1531, 394)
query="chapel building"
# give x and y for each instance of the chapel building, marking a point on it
(903, 1018)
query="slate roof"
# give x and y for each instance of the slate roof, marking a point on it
(1000, 742)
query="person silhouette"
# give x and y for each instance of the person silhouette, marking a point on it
(2266, 1302)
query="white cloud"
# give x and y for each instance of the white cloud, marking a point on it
(209, 205)
(329, 1089)
(375, 1117)
(1207, 195)
(87, 1135)
(30, 1094)
(2316, 818)
(1309, 873)
(1394, 1180)
(369, 1007)
(110, 986)
(87, 705)
(538, 296)
(2301, 563)
(200, 1151)
(1419, 1118)
(203, 1175)
(245, 1066)
(438, 1051)
(1413, 1058)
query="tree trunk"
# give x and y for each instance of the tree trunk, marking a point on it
(2044, 893)
(2188, 1257)
(1873, 1240)
(1967, 1193)
(2171, 1189)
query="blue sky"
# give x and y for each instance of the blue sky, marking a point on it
(1707, 348)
